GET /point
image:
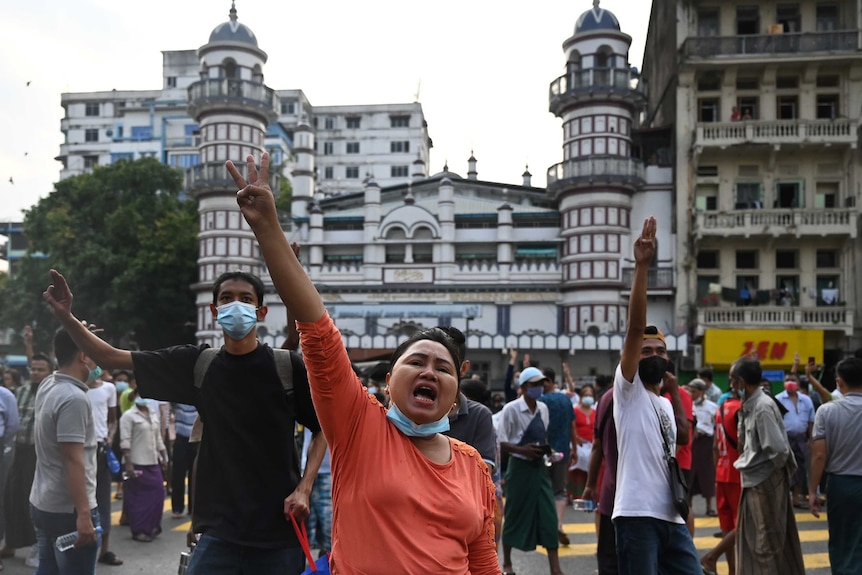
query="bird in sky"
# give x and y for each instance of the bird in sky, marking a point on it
(11, 180)
(28, 82)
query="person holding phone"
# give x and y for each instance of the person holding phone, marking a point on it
(530, 517)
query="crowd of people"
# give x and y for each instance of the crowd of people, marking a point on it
(427, 449)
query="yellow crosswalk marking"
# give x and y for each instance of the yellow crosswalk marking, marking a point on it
(699, 523)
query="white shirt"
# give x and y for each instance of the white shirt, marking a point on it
(643, 480)
(515, 418)
(705, 415)
(102, 398)
(140, 434)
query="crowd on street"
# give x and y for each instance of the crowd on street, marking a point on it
(273, 453)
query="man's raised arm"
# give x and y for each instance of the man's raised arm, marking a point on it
(59, 297)
(644, 251)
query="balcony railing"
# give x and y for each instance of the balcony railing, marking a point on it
(778, 222)
(771, 44)
(596, 169)
(827, 318)
(657, 278)
(802, 132)
(219, 92)
(213, 176)
(574, 84)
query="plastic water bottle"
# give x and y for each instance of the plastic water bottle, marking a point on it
(137, 474)
(67, 541)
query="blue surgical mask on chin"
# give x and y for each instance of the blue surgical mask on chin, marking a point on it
(407, 427)
(535, 392)
(237, 319)
(121, 386)
(94, 374)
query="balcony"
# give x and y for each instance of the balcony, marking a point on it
(604, 83)
(214, 177)
(777, 132)
(226, 94)
(792, 45)
(778, 222)
(589, 171)
(658, 279)
(778, 317)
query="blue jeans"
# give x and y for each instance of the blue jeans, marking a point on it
(48, 527)
(648, 546)
(214, 556)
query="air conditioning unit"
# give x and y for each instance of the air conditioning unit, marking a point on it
(597, 328)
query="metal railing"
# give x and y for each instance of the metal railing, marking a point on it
(771, 44)
(778, 316)
(596, 168)
(657, 278)
(804, 221)
(777, 132)
(245, 92)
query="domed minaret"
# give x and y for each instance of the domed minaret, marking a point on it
(597, 178)
(233, 107)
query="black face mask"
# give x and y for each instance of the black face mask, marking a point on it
(652, 369)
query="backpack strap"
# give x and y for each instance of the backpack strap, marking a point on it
(203, 364)
(283, 365)
(727, 436)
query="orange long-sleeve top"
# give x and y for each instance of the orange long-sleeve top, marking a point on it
(393, 510)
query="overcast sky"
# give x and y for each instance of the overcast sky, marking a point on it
(484, 69)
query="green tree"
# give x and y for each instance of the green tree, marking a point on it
(127, 242)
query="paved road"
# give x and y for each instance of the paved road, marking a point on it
(161, 557)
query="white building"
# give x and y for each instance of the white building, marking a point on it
(392, 248)
(765, 101)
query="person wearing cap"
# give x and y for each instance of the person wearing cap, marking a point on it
(702, 464)
(530, 517)
(651, 536)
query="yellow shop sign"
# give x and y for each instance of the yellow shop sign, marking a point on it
(773, 347)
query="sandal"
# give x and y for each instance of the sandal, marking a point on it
(109, 558)
(142, 537)
(711, 513)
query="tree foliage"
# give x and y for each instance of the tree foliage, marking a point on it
(127, 243)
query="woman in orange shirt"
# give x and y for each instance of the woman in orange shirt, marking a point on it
(429, 497)
(585, 417)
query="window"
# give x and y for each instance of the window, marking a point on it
(288, 108)
(118, 156)
(707, 110)
(399, 147)
(747, 287)
(786, 106)
(748, 195)
(352, 147)
(399, 121)
(91, 135)
(708, 22)
(787, 82)
(826, 195)
(708, 259)
(707, 171)
(827, 16)
(827, 290)
(142, 132)
(706, 197)
(828, 81)
(786, 259)
(327, 172)
(746, 259)
(185, 160)
(788, 16)
(827, 106)
(748, 107)
(171, 81)
(704, 295)
(327, 148)
(788, 290)
(329, 123)
(747, 83)
(399, 171)
(747, 20)
(788, 195)
(119, 132)
(709, 82)
(353, 122)
(352, 172)
(90, 162)
(91, 109)
(827, 259)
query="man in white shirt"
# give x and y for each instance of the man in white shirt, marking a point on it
(103, 399)
(650, 533)
(702, 463)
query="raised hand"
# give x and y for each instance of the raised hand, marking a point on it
(644, 248)
(58, 295)
(254, 197)
(28, 334)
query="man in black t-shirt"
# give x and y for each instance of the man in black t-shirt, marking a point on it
(248, 477)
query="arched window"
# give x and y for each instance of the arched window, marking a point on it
(604, 57)
(229, 68)
(395, 247)
(574, 62)
(257, 74)
(423, 249)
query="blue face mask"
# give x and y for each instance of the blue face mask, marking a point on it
(141, 402)
(237, 319)
(94, 374)
(407, 427)
(741, 393)
(588, 400)
(121, 386)
(535, 392)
